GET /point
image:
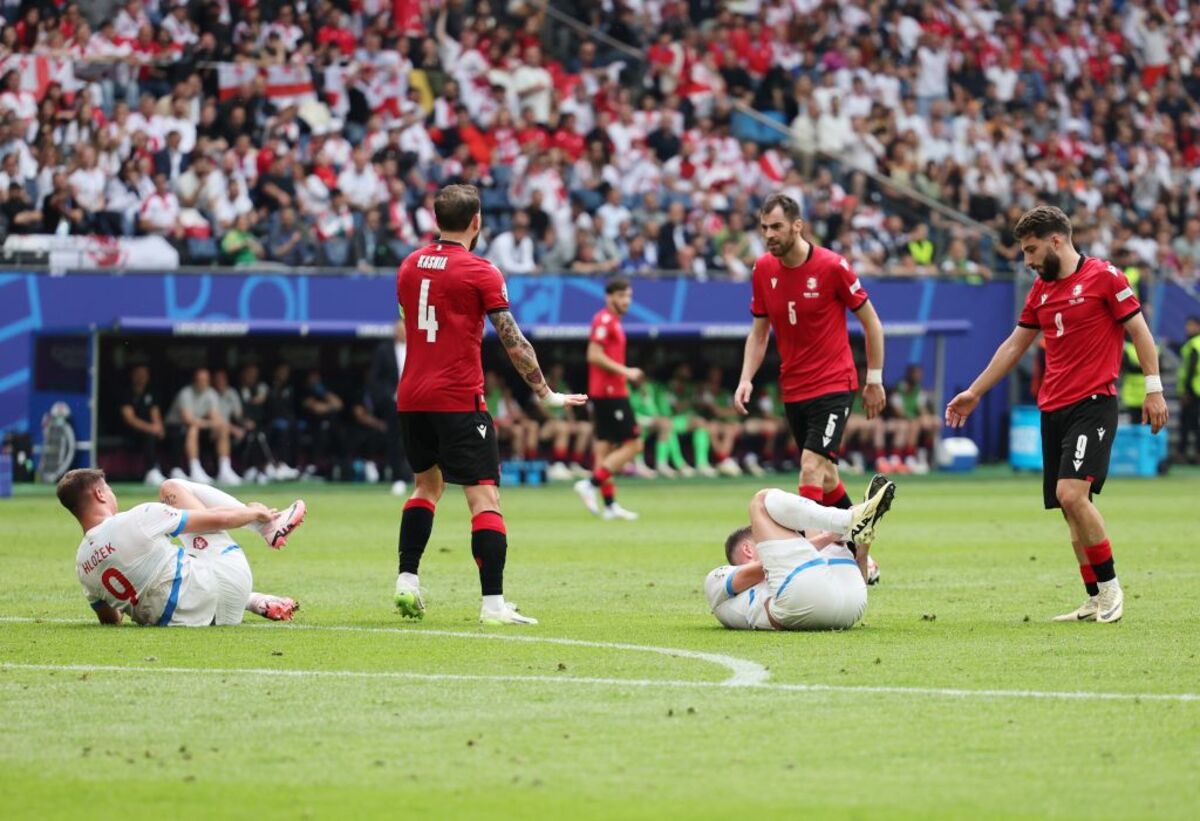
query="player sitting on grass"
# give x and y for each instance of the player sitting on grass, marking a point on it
(780, 579)
(133, 562)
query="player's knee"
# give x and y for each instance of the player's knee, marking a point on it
(758, 504)
(1070, 497)
(169, 489)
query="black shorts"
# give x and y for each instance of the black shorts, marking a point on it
(818, 424)
(1076, 444)
(614, 420)
(462, 443)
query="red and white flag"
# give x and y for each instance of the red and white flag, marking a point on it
(289, 85)
(232, 76)
(38, 72)
(772, 166)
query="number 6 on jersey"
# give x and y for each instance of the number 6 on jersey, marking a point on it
(426, 315)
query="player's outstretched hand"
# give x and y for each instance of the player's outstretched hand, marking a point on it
(637, 376)
(264, 513)
(874, 399)
(741, 397)
(563, 400)
(960, 408)
(1154, 411)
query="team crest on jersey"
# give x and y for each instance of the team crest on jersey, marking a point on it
(774, 281)
(199, 543)
(812, 283)
(1077, 290)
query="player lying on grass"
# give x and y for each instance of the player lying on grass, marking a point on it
(133, 562)
(791, 569)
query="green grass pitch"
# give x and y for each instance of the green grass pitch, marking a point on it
(352, 713)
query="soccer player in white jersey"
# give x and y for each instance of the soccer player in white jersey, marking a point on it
(172, 562)
(791, 569)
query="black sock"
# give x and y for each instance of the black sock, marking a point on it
(416, 523)
(489, 546)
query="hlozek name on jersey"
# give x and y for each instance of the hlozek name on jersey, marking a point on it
(432, 263)
(98, 555)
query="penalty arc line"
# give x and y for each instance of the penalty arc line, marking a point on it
(734, 681)
(945, 692)
(743, 673)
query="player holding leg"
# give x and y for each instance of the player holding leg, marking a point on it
(129, 564)
(444, 293)
(1084, 307)
(617, 439)
(802, 292)
(778, 579)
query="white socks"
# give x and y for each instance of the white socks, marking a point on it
(410, 578)
(798, 513)
(493, 603)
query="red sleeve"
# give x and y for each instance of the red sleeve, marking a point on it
(850, 289)
(492, 290)
(1028, 317)
(599, 332)
(758, 305)
(1122, 299)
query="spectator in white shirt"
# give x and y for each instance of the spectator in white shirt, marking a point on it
(125, 194)
(533, 86)
(361, 182)
(513, 250)
(614, 213)
(88, 183)
(160, 211)
(230, 207)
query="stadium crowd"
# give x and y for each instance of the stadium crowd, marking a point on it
(305, 133)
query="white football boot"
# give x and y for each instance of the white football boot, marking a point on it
(1110, 604)
(408, 599)
(1085, 612)
(588, 494)
(505, 614)
(615, 511)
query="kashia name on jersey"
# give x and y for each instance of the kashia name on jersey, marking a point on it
(99, 555)
(432, 263)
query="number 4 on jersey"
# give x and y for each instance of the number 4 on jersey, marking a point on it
(426, 315)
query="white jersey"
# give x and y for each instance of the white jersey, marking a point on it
(129, 562)
(737, 611)
(805, 589)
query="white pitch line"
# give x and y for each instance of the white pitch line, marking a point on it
(744, 673)
(944, 692)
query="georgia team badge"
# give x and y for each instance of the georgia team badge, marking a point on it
(1077, 290)
(812, 283)
(199, 543)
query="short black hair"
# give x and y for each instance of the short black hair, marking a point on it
(455, 206)
(1041, 222)
(791, 208)
(733, 540)
(616, 285)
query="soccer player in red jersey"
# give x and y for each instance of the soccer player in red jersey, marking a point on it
(1084, 307)
(617, 437)
(444, 293)
(802, 292)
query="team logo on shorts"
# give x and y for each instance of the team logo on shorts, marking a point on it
(199, 543)
(482, 431)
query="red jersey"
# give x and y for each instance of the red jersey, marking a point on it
(445, 291)
(806, 306)
(610, 336)
(1080, 317)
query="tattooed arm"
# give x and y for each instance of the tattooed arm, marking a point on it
(521, 354)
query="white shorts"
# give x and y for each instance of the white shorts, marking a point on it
(811, 589)
(216, 581)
